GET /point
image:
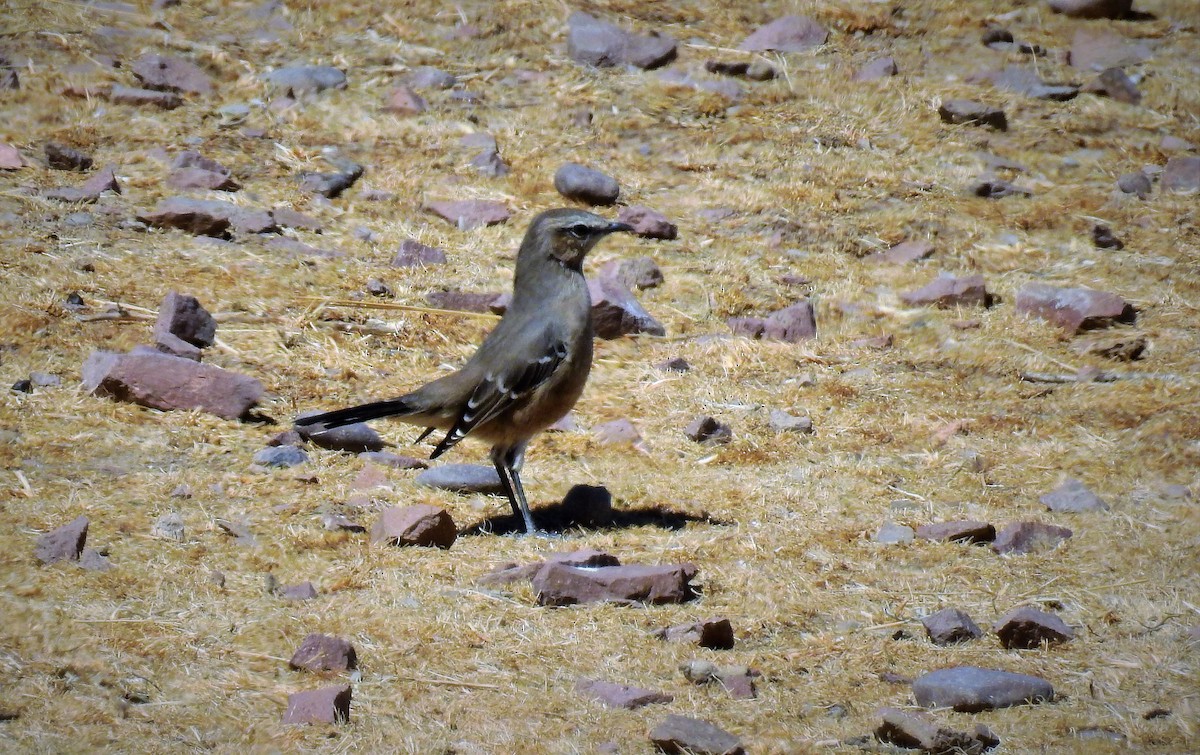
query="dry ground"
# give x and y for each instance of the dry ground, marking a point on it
(154, 657)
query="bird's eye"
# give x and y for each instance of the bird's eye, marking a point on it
(579, 230)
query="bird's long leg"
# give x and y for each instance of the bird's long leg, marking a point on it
(508, 465)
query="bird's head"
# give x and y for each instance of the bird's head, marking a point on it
(567, 235)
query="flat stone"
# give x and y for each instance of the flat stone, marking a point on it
(489, 163)
(170, 526)
(792, 324)
(919, 732)
(183, 316)
(598, 43)
(960, 111)
(1092, 8)
(966, 530)
(585, 557)
(208, 217)
(1094, 49)
(715, 634)
(93, 560)
(880, 68)
(395, 461)
(1025, 81)
(990, 187)
(891, 533)
(301, 591)
(588, 185)
(1181, 174)
(1073, 496)
(354, 438)
(331, 185)
(339, 523)
(708, 430)
(619, 695)
(648, 223)
(1029, 537)
(970, 689)
(462, 478)
(10, 157)
(1027, 628)
(782, 422)
(319, 706)
(786, 34)
(286, 217)
(681, 734)
(747, 327)
(674, 364)
(465, 301)
(64, 543)
(948, 291)
(135, 96)
(103, 180)
(165, 382)
(1120, 348)
(1113, 82)
(638, 273)
(295, 80)
(421, 525)
(171, 74)
(468, 214)
(618, 431)
(616, 312)
(322, 652)
(282, 457)
(428, 77)
(199, 178)
(404, 100)
(62, 157)
(561, 585)
(1073, 309)
(949, 626)
(413, 253)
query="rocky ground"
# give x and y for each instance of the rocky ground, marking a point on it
(891, 440)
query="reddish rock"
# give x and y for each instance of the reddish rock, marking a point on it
(640, 273)
(165, 382)
(588, 185)
(489, 163)
(782, 422)
(62, 157)
(747, 327)
(975, 113)
(319, 706)
(415, 525)
(561, 585)
(1095, 49)
(1121, 348)
(585, 557)
(880, 68)
(1073, 309)
(205, 180)
(648, 223)
(681, 734)
(970, 689)
(617, 431)
(331, 185)
(286, 217)
(716, 634)
(786, 34)
(1092, 8)
(100, 182)
(463, 301)
(404, 101)
(208, 217)
(949, 626)
(93, 560)
(619, 695)
(135, 96)
(354, 438)
(1073, 497)
(172, 74)
(674, 364)
(791, 324)
(1027, 628)
(1112, 82)
(302, 591)
(708, 430)
(322, 652)
(296, 80)
(183, 316)
(468, 214)
(462, 478)
(616, 312)
(598, 43)
(10, 158)
(1181, 174)
(961, 531)
(415, 254)
(1029, 537)
(919, 732)
(64, 543)
(395, 461)
(949, 291)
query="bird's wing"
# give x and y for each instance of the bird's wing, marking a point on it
(500, 390)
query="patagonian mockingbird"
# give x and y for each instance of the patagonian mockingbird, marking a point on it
(528, 372)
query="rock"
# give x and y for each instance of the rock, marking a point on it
(337, 522)
(708, 430)
(961, 531)
(135, 96)
(615, 311)
(64, 543)
(756, 70)
(197, 178)
(557, 584)
(296, 80)
(640, 273)
(1029, 537)
(1024, 81)
(489, 163)
(1092, 8)
(428, 77)
(1073, 309)
(1027, 628)
(420, 524)
(413, 253)
(791, 324)
(62, 157)
(587, 505)
(990, 187)
(282, 457)
(974, 113)
(462, 478)
(183, 316)
(1073, 496)
(681, 734)
(322, 652)
(949, 291)
(648, 223)
(404, 101)
(786, 34)
(891, 533)
(619, 695)
(208, 217)
(1103, 238)
(747, 327)
(598, 43)
(782, 422)
(165, 382)
(510, 573)
(469, 214)
(330, 185)
(949, 626)
(354, 438)
(1120, 348)
(918, 732)
(93, 560)
(616, 432)
(319, 706)
(286, 217)
(1112, 82)
(674, 364)
(1181, 174)
(715, 634)
(239, 531)
(171, 74)
(302, 591)
(970, 689)
(102, 181)
(880, 68)
(10, 158)
(575, 181)
(1097, 49)
(170, 527)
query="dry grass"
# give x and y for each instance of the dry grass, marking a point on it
(449, 667)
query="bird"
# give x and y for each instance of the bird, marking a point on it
(529, 370)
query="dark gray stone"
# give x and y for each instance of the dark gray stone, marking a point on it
(280, 456)
(575, 181)
(1027, 628)
(681, 734)
(970, 689)
(1073, 497)
(319, 706)
(64, 543)
(949, 626)
(462, 478)
(619, 695)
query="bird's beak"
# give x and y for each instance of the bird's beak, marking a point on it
(619, 228)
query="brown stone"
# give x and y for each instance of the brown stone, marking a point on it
(420, 524)
(468, 214)
(619, 695)
(172, 74)
(917, 731)
(322, 652)
(415, 254)
(681, 734)
(903, 253)
(1027, 627)
(165, 382)
(792, 324)
(1181, 174)
(64, 543)
(974, 113)
(135, 96)
(967, 530)
(708, 430)
(787, 34)
(616, 312)
(183, 316)
(716, 634)
(561, 585)
(319, 706)
(1073, 309)
(949, 626)
(648, 223)
(404, 101)
(949, 291)
(1073, 496)
(1029, 537)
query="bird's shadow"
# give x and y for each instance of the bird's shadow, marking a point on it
(587, 508)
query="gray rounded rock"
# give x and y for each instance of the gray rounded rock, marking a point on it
(970, 689)
(575, 181)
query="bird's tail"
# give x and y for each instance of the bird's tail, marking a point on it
(350, 415)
